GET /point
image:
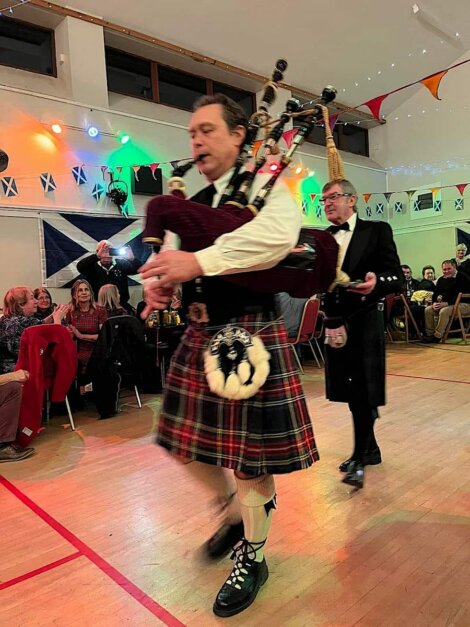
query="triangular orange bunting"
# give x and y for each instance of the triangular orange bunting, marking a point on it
(136, 169)
(434, 191)
(119, 169)
(366, 197)
(374, 106)
(433, 82)
(461, 188)
(288, 136)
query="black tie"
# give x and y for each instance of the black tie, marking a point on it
(334, 228)
(205, 196)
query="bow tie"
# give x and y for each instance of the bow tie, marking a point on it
(334, 228)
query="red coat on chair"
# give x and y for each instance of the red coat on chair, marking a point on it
(48, 353)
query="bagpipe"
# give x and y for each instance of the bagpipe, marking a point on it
(312, 265)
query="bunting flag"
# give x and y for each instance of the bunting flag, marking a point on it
(434, 191)
(288, 136)
(154, 168)
(304, 207)
(47, 182)
(437, 205)
(410, 194)
(98, 191)
(318, 211)
(9, 186)
(458, 204)
(174, 164)
(366, 197)
(369, 212)
(136, 169)
(398, 207)
(432, 82)
(79, 175)
(104, 169)
(119, 169)
(416, 205)
(312, 197)
(379, 208)
(387, 196)
(461, 188)
(333, 120)
(375, 104)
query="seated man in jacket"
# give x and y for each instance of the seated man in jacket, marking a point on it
(448, 287)
(106, 267)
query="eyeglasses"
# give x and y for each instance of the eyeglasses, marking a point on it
(333, 198)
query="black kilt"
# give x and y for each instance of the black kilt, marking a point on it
(269, 433)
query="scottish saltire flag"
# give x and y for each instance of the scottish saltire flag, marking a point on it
(9, 186)
(437, 205)
(369, 212)
(98, 191)
(48, 183)
(462, 234)
(79, 175)
(67, 238)
(304, 206)
(398, 207)
(318, 211)
(458, 204)
(379, 208)
(416, 204)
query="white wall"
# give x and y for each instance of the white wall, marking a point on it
(428, 150)
(78, 97)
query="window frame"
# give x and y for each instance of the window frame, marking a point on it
(51, 32)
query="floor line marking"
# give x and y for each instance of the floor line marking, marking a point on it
(136, 593)
(40, 570)
(412, 376)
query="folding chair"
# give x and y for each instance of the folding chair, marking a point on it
(463, 320)
(407, 318)
(307, 331)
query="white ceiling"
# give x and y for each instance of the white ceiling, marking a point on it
(338, 42)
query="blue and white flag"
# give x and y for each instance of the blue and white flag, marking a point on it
(318, 211)
(67, 238)
(437, 205)
(9, 186)
(458, 204)
(379, 208)
(79, 175)
(416, 205)
(98, 191)
(369, 212)
(462, 234)
(398, 207)
(305, 206)
(48, 183)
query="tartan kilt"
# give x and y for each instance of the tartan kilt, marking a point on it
(269, 433)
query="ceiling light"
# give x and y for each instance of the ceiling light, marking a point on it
(56, 128)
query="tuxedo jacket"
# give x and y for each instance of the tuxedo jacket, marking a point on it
(357, 371)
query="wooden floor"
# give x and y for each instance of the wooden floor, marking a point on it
(101, 528)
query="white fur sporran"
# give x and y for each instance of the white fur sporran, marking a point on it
(236, 363)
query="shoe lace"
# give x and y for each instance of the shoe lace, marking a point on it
(244, 554)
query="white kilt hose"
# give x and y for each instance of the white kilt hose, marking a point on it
(269, 433)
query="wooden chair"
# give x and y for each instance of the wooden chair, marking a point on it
(407, 318)
(308, 331)
(463, 320)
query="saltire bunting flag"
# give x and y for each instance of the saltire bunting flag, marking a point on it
(398, 207)
(47, 182)
(461, 188)
(458, 204)
(368, 212)
(304, 206)
(288, 136)
(68, 238)
(9, 186)
(432, 82)
(437, 205)
(79, 175)
(104, 169)
(136, 169)
(416, 205)
(318, 211)
(462, 234)
(154, 168)
(312, 197)
(379, 208)
(98, 191)
(366, 197)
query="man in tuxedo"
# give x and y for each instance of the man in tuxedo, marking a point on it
(355, 372)
(269, 433)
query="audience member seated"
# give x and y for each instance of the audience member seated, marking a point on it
(462, 260)
(19, 307)
(108, 298)
(448, 287)
(105, 267)
(84, 320)
(291, 310)
(11, 390)
(428, 282)
(411, 285)
(45, 305)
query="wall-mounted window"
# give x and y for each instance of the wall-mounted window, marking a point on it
(128, 74)
(27, 47)
(353, 138)
(142, 78)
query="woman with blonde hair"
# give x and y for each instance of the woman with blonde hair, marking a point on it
(108, 297)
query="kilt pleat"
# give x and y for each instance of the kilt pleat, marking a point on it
(271, 432)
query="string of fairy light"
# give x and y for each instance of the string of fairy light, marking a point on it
(10, 9)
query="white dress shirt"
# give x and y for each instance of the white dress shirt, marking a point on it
(260, 243)
(344, 237)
